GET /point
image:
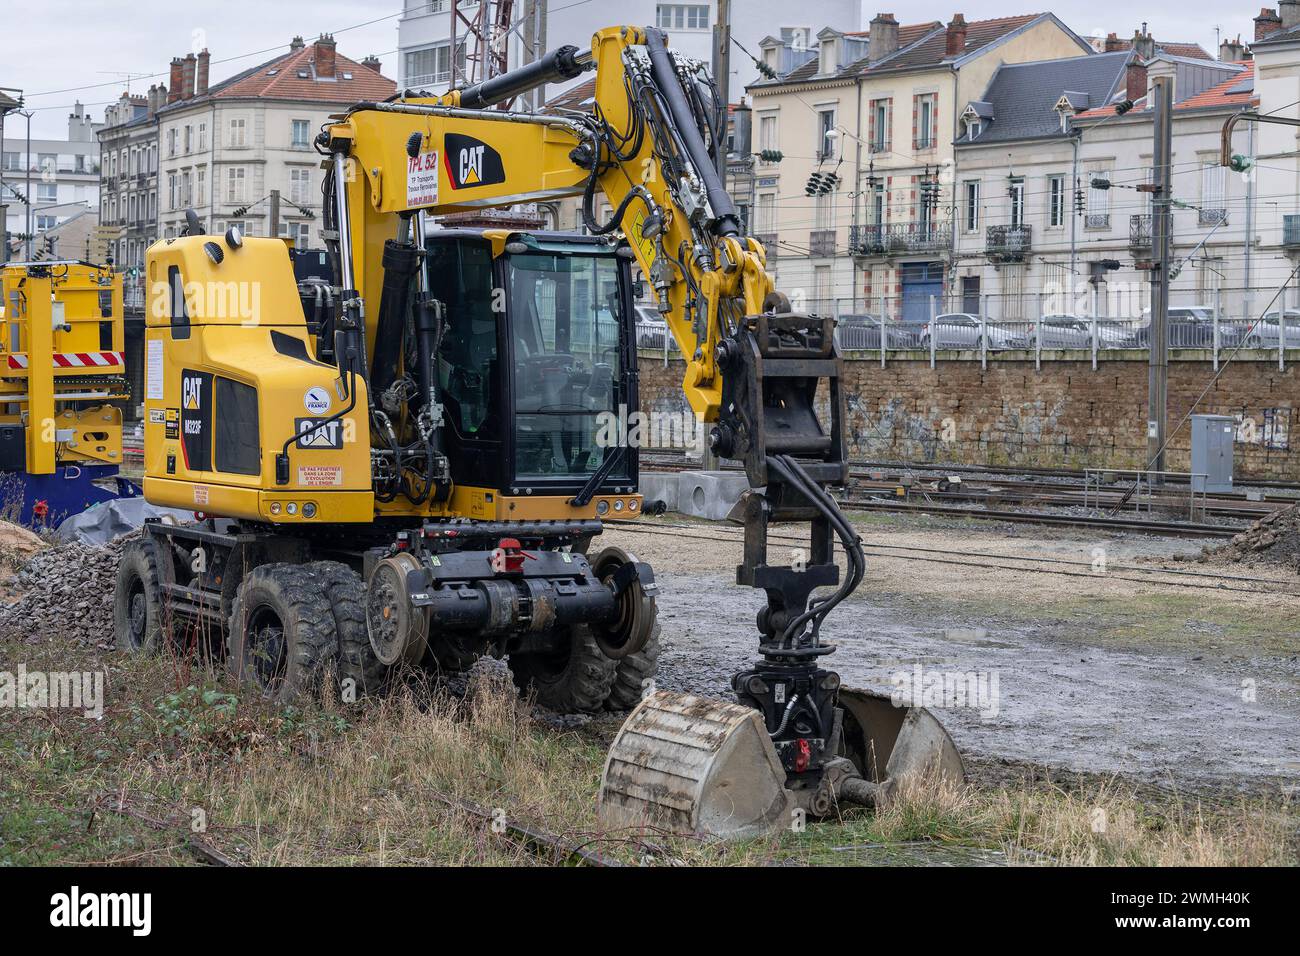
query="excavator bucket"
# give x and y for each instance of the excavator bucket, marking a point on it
(896, 746)
(686, 764)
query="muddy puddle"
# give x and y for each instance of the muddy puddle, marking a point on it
(1169, 719)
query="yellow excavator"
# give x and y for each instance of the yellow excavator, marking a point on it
(404, 465)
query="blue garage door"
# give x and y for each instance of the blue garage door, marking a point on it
(920, 280)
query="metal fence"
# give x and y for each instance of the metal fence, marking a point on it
(1257, 323)
(1247, 323)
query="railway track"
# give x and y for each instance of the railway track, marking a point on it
(1065, 567)
(1150, 526)
(1043, 500)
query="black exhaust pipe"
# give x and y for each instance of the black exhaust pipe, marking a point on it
(563, 63)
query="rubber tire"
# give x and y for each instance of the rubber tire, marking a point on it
(297, 598)
(631, 674)
(355, 659)
(580, 686)
(139, 562)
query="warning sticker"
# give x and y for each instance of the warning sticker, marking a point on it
(153, 370)
(200, 494)
(320, 476)
(422, 179)
(646, 246)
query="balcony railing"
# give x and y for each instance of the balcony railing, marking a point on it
(1140, 239)
(1009, 243)
(1211, 217)
(821, 242)
(899, 238)
(1291, 231)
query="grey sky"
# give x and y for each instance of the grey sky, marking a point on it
(58, 44)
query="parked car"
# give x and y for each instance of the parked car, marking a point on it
(1115, 334)
(962, 330)
(1190, 327)
(862, 331)
(651, 329)
(1065, 332)
(1267, 332)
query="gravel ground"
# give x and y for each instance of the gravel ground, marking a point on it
(66, 590)
(1200, 715)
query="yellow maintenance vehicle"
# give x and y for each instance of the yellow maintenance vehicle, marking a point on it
(61, 363)
(404, 466)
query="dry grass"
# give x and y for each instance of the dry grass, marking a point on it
(387, 783)
(1104, 825)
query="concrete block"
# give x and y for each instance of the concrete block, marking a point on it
(709, 494)
(659, 486)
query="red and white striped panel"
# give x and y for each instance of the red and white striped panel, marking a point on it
(72, 359)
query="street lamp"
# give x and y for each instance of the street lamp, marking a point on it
(7, 106)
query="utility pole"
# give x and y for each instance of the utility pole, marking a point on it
(1158, 380)
(275, 213)
(722, 77)
(4, 207)
(27, 200)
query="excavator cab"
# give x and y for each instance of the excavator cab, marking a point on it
(536, 362)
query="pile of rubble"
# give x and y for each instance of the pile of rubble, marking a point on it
(1273, 539)
(67, 591)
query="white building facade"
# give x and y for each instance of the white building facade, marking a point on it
(63, 175)
(425, 33)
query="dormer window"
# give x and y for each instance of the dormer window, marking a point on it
(973, 120)
(829, 61)
(1067, 106)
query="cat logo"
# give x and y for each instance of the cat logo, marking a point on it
(319, 433)
(191, 392)
(471, 162)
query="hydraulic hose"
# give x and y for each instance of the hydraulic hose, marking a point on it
(726, 221)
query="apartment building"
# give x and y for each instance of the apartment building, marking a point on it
(1275, 210)
(424, 33)
(63, 175)
(223, 148)
(860, 204)
(128, 176)
(1050, 216)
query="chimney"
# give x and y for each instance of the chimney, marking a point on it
(1266, 23)
(201, 74)
(372, 62)
(1135, 80)
(1143, 43)
(324, 57)
(187, 76)
(1231, 51)
(955, 43)
(1290, 11)
(883, 37)
(1114, 44)
(296, 44)
(178, 66)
